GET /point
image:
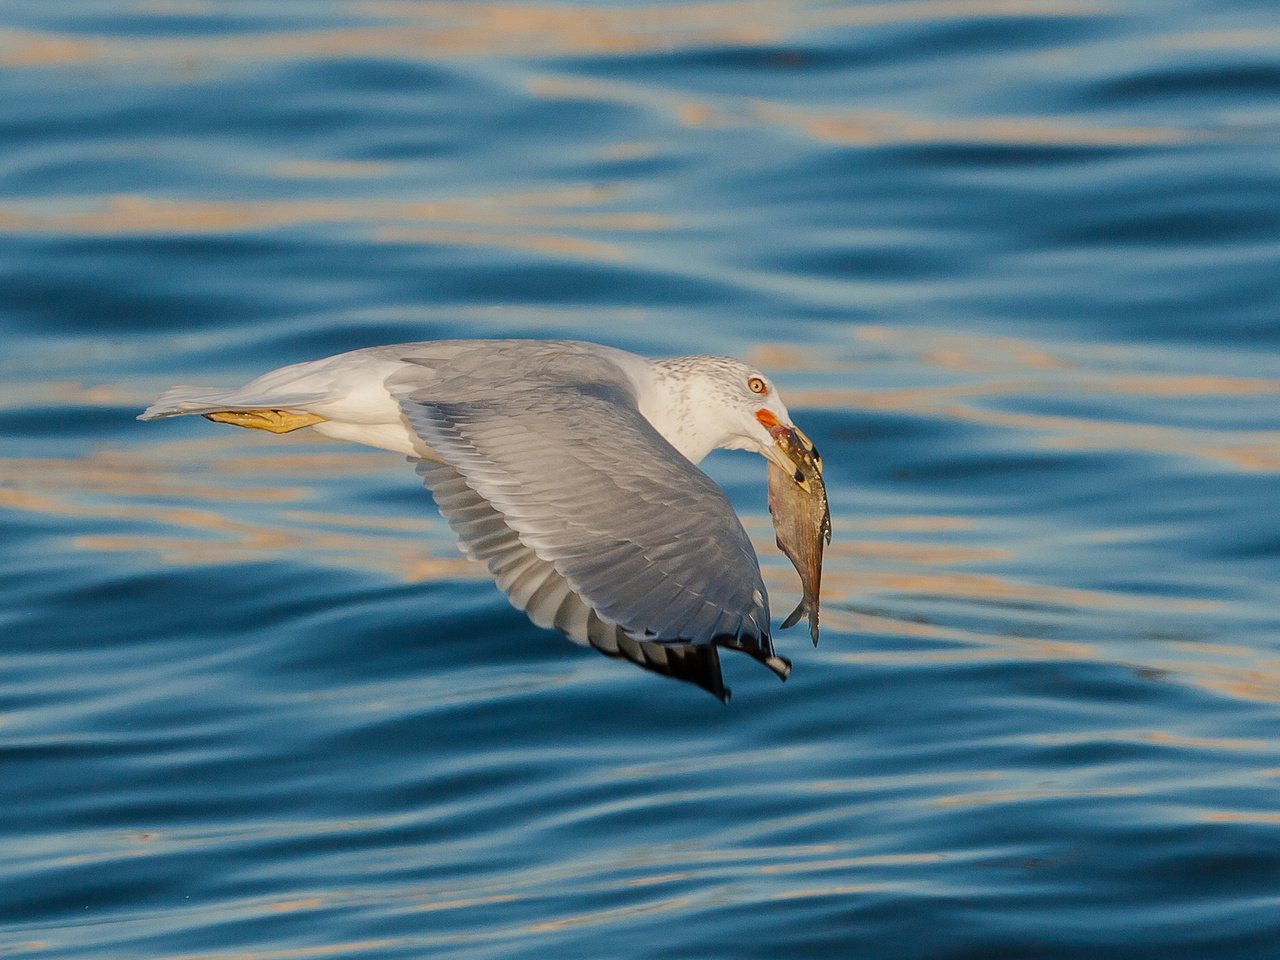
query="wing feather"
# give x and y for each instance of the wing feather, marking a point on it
(554, 603)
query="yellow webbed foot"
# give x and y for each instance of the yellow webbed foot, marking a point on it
(275, 421)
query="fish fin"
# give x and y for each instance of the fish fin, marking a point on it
(794, 617)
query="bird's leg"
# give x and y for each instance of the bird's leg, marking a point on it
(274, 421)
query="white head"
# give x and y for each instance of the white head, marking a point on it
(707, 403)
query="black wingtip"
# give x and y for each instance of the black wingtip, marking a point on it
(780, 666)
(759, 649)
(698, 664)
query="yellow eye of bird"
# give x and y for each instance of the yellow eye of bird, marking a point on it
(757, 385)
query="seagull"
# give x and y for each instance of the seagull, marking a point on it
(569, 469)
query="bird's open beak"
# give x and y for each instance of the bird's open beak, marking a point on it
(789, 447)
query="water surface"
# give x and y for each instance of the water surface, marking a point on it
(1013, 266)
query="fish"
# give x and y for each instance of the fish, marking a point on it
(801, 519)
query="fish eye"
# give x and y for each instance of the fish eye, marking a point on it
(756, 385)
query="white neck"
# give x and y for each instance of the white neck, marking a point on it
(678, 407)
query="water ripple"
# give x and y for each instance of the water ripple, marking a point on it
(1012, 265)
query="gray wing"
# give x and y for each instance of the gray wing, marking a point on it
(581, 508)
(534, 586)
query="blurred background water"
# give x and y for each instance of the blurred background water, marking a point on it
(1014, 266)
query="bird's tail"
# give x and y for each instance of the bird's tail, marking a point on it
(177, 401)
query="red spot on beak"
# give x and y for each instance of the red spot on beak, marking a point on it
(777, 429)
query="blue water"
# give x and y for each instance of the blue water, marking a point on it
(1014, 267)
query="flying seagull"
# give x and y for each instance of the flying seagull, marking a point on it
(568, 469)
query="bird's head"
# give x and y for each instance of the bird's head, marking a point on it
(728, 404)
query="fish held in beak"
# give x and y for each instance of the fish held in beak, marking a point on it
(801, 516)
(787, 448)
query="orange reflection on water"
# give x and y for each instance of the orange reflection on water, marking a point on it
(1260, 817)
(155, 486)
(1264, 37)
(576, 247)
(917, 554)
(462, 903)
(932, 582)
(859, 128)
(1250, 451)
(876, 128)
(342, 949)
(1258, 681)
(993, 372)
(55, 485)
(1255, 678)
(1159, 737)
(1001, 797)
(847, 863)
(686, 110)
(493, 221)
(333, 169)
(1126, 370)
(444, 29)
(1207, 743)
(607, 915)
